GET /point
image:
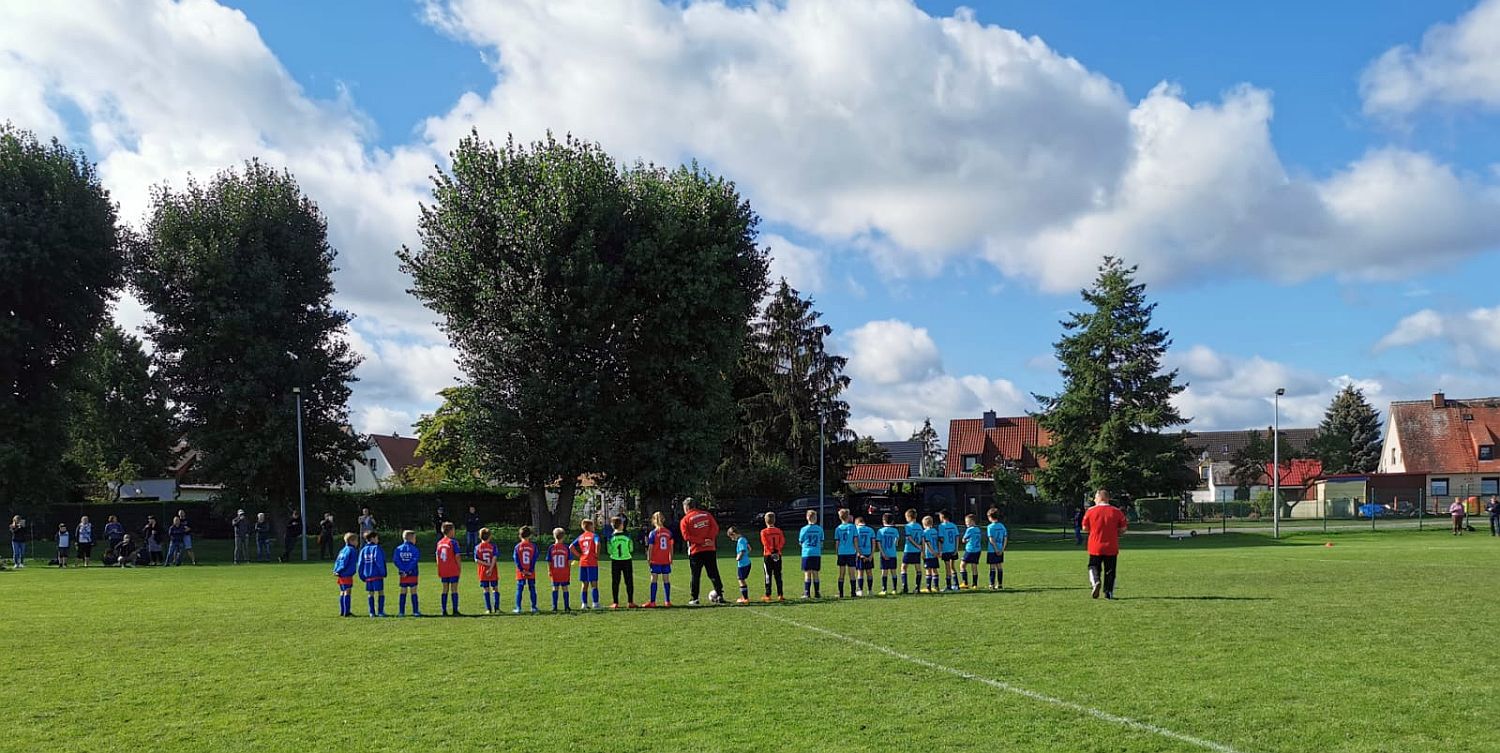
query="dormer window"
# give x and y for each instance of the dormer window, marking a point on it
(1486, 452)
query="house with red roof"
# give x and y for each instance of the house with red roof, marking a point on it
(876, 476)
(385, 458)
(991, 440)
(1455, 444)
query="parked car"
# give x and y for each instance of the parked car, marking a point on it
(1373, 510)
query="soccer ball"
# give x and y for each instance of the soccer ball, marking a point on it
(713, 597)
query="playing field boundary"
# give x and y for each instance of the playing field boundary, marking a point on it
(1001, 685)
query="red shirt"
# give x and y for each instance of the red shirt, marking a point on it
(484, 556)
(447, 558)
(772, 540)
(525, 557)
(586, 549)
(1104, 524)
(558, 559)
(660, 545)
(700, 530)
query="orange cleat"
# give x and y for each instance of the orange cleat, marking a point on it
(649, 604)
(614, 606)
(631, 605)
(742, 601)
(666, 605)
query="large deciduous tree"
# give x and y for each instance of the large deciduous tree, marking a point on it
(1348, 439)
(1107, 423)
(448, 442)
(238, 273)
(60, 265)
(118, 411)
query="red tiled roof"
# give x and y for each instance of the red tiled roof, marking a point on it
(1296, 472)
(876, 472)
(399, 452)
(1011, 439)
(1441, 440)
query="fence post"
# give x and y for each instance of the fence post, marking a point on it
(1421, 507)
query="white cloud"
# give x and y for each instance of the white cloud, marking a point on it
(1472, 337)
(803, 268)
(899, 381)
(1456, 64)
(1421, 326)
(376, 419)
(1232, 392)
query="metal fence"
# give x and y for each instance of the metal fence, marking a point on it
(1378, 509)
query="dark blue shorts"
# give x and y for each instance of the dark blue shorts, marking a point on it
(560, 584)
(931, 563)
(489, 584)
(950, 556)
(378, 584)
(450, 579)
(864, 563)
(911, 558)
(971, 558)
(845, 560)
(812, 564)
(661, 569)
(588, 574)
(742, 572)
(887, 563)
(995, 558)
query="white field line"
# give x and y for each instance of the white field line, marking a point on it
(1104, 716)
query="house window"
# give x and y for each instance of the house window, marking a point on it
(1486, 452)
(1489, 486)
(1204, 472)
(970, 462)
(1440, 487)
(374, 465)
(1393, 456)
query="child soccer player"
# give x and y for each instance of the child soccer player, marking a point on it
(996, 536)
(585, 549)
(483, 555)
(932, 546)
(911, 552)
(843, 540)
(63, 544)
(560, 568)
(344, 567)
(889, 540)
(772, 541)
(621, 564)
(447, 564)
(659, 556)
(948, 539)
(406, 558)
(741, 562)
(864, 562)
(524, 556)
(811, 539)
(372, 572)
(973, 544)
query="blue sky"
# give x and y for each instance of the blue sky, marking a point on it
(1310, 189)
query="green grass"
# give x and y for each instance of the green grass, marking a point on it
(1383, 642)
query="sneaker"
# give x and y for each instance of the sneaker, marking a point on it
(742, 600)
(1094, 593)
(417, 614)
(667, 605)
(858, 594)
(781, 598)
(766, 598)
(692, 602)
(1110, 595)
(631, 605)
(534, 610)
(614, 606)
(649, 605)
(882, 593)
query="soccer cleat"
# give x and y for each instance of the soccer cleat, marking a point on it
(692, 602)
(766, 598)
(667, 605)
(1094, 592)
(742, 600)
(1110, 595)
(631, 605)
(649, 605)
(781, 598)
(882, 593)
(615, 605)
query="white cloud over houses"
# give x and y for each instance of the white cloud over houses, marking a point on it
(898, 381)
(1456, 64)
(1233, 392)
(1471, 337)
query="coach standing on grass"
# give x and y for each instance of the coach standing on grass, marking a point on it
(1103, 523)
(701, 532)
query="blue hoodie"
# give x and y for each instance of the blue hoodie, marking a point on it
(347, 562)
(371, 562)
(406, 557)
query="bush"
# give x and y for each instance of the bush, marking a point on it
(1157, 509)
(414, 508)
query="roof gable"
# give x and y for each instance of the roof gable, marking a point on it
(399, 452)
(1447, 438)
(1011, 438)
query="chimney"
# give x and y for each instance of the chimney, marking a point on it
(989, 419)
(1439, 401)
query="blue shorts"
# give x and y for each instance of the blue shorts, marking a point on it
(887, 563)
(950, 556)
(560, 584)
(377, 584)
(661, 569)
(911, 558)
(187, 542)
(971, 558)
(489, 584)
(846, 560)
(864, 563)
(812, 564)
(450, 579)
(995, 558)
(588, 574)
(931, 563)
(742, 572)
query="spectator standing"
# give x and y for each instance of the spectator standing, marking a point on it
(325, 536)
(114, 532)
(151, 532)
(63, 543)
(85, 540)
(176, 538)
(18, 539)
(241, 526)
(1494, 510)
(439, 517)
(293, 532)
(366, 522)
(263, 537)
(1457, 511)
(187, 539)
(701, 532)
(471, 528)
(1103, 523)
(1078, 526)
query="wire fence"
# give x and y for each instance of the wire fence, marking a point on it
(1376, 510)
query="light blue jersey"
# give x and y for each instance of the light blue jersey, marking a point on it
(742, 552)
(973, 539)
(843, 538)
(890, 541)
(864, 540)
(932, 542)
(811, 539)
(996, 536)
(948, 535)
(913, 537)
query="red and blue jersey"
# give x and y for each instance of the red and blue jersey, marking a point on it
(484, 557)
(559, 559)
(659, 547)
(586, 549)
(447, 558)
(524, 555)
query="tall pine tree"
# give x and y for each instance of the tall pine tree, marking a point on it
(1107, 425)
(932, 452)
(1348, 439)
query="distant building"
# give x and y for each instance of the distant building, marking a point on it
(385, 458)
(1454, 444)
(876, 476)
(1213, 459)
(908, 452)
(991, 440)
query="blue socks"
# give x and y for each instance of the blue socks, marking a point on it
(667, 589)
(371, 598)
(653, 592)
(904, 581)
(554, 600)
(520, 589)
(583, 596)
(402, 601)
(531, 584)
(344, 604)
(380, 602)
(416, 610)
(596, 594)
(445, 603)
(566, 608)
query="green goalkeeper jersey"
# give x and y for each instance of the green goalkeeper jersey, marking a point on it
(620, 546)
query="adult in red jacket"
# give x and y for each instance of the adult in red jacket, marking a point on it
(701, 532)
(1103, 523)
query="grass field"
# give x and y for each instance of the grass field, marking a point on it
(1383, 642)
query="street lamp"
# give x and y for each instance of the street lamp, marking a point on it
(822, 421)
(301, 473)
(1276, 465)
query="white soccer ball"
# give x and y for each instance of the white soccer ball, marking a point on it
(713, 597)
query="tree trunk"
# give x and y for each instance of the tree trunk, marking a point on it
(566, 488)
(541, 517)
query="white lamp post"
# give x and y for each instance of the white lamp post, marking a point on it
(301, 473)
(1276, 465)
